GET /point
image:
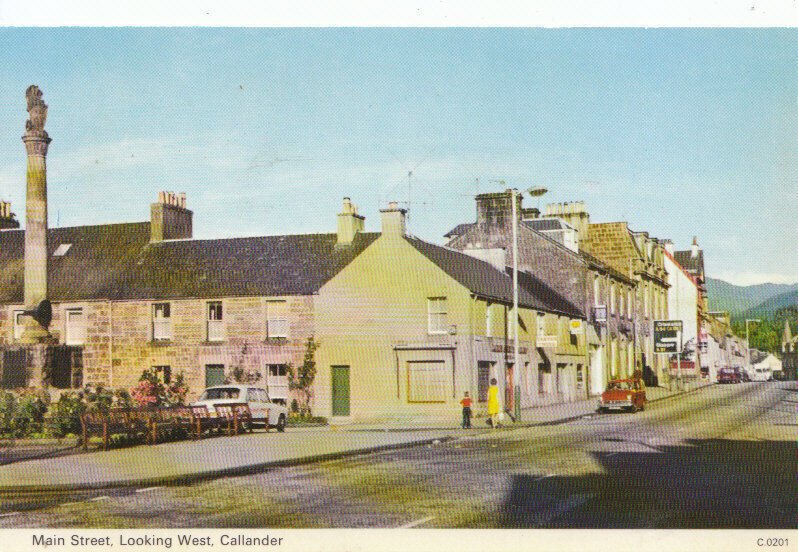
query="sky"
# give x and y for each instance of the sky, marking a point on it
(681, 132)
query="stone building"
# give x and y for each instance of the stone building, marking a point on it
(642, 258)
(129, 297)
(549, 249)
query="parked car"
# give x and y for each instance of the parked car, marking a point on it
(256, 397)
(761, 374)
(623, 394)
(729, 375)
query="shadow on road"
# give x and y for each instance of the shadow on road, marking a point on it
(700, 484)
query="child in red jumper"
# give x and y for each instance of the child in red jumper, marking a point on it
(466, 403)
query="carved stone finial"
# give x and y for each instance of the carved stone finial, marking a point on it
(37, 109)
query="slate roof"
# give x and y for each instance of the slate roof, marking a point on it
(486, 281)
(117, 262)
(545, 224)
(459, 230)
(91, 269)
(695, 266)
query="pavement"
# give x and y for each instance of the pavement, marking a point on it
(187, 461)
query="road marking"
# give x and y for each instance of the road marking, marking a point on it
(10, 514)
(416, 523)
(565, 506)
(148, 489)
(546, 476)
(97, 498)
(71, 503)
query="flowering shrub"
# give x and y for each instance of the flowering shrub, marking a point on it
(152, 391)
(64, 415)
(23, 414)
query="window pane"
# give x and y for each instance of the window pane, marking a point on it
(276, 319)
(75, 327)
(483, 377)
(215, 310)
(436, 314)
(19, 324)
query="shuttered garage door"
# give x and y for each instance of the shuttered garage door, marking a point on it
(426, 381)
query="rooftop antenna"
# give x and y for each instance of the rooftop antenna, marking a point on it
(409, 202)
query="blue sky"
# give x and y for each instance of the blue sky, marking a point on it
(680, 132)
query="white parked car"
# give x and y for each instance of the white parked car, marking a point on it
(256, 397)
(761, 374)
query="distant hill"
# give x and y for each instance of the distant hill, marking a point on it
(763, 299)
(768, 307)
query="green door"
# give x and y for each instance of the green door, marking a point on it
(214, 375)
(340, 390)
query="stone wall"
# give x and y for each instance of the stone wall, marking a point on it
(118, 344)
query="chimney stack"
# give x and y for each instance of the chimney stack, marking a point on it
(36, 142)
(496, 209)
(169, 218)
(668, 244)
(694, 248)
(349, 223)
(573, 213)
(8, 219)
(393, 220)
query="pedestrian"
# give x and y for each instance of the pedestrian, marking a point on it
(493, 403)
(466, 404)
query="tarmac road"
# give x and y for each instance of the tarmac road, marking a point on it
(721, 457)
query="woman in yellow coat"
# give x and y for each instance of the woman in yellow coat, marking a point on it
(493, 403)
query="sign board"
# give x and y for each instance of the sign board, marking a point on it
(547, 341)
(576, 327)
(600, 313)
(667, 336)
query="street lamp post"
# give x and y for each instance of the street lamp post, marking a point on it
(534, 192)
(747, 340)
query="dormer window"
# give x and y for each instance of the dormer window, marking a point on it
(62, 249)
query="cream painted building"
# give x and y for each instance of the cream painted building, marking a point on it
(407, 327)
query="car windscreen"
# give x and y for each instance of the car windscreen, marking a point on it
(219, 393)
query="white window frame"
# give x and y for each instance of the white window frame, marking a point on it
(540, 324)
(596, 291)
(488, 320)
(214, 321)
(437, 311)
(629, 300)
(74, 335)
(161, 325)
(612, 298)
(276, 326)
(19, 323)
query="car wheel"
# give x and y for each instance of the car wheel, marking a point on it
(281, 423)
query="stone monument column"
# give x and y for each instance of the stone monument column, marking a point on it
(36, 142)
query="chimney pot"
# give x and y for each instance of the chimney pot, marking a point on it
(393, 220)
(349, 223)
